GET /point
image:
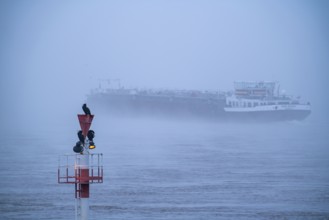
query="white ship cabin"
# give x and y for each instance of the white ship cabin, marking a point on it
(256, 90)
(259, 96)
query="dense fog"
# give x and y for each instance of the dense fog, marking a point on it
(53, 54)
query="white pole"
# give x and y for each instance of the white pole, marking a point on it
(82, 208)
(84, 202)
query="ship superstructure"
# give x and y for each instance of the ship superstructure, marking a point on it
(262, 100)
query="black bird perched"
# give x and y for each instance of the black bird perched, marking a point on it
(86, 109)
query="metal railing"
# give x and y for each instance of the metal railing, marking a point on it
(69, 170)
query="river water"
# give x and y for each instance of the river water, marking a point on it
(162, 169)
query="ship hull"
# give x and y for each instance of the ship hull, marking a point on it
(268, 116)
(213, 109)
(147, 105)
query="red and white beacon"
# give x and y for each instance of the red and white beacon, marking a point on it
(82, 168)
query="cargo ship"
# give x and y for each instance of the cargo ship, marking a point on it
(249, 101)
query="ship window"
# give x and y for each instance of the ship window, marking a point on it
(283, 103)
(271, 103)
(249, 104)
(255, 104)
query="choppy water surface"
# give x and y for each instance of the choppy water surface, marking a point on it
(175, 170)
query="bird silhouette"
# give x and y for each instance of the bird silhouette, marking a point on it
(85, 109)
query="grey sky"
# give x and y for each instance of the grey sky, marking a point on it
(53, 52)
